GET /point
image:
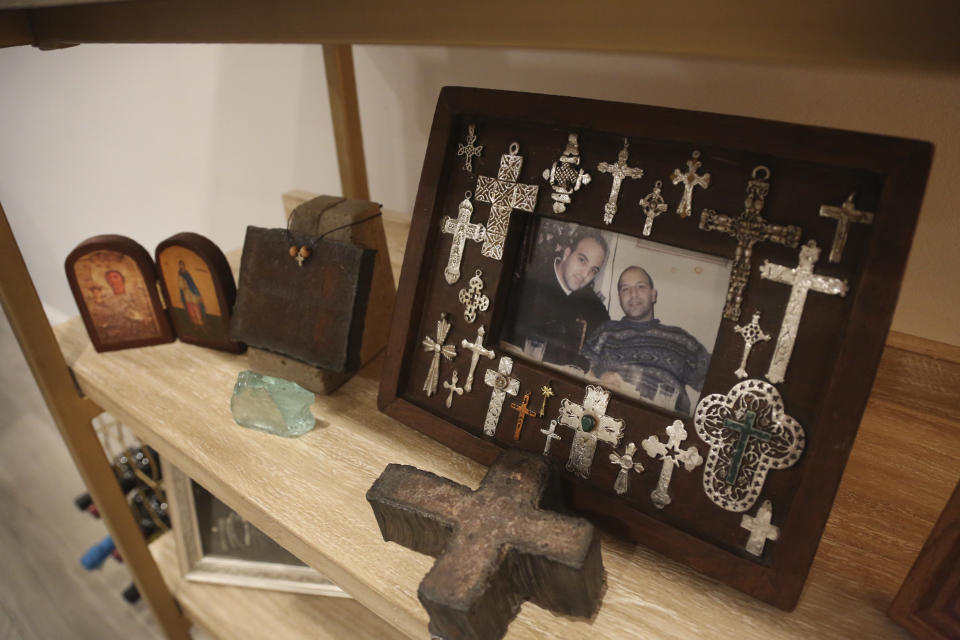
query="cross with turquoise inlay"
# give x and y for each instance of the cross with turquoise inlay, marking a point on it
(746, 431)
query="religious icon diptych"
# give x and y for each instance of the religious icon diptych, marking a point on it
(613, 313)
(126, 300)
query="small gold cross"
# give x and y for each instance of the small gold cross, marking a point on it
(547, 393)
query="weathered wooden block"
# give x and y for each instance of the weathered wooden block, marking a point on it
(347, 221)
(496, 547)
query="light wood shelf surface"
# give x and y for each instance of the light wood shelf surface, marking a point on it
(239, 612)
(308, 494)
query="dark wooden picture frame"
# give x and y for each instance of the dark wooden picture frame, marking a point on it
(838, 345)
(221, 279)
(928, 603)
(149, 297)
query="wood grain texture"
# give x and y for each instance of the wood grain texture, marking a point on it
(308, 494)
(15, 29)
(345, 112)
(252, 614)
(42, 536)
(72, 414)
(857, 32)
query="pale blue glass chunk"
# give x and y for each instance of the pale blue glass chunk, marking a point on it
(271, 404)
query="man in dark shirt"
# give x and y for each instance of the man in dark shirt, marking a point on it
(641, 357)
(557, 308)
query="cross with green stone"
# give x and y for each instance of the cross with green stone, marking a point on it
(746, 431)
(590, 424)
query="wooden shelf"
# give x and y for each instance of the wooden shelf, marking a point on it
(308, 494)
(238, 612)
(860, 32)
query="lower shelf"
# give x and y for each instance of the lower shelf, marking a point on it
(237, 612)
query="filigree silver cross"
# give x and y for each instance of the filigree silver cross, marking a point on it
(438, 349)
(802, 279)
(690, 179)
(748, 229)
(748, 433)
(454, 389)
(468, 149)
(551, 436)
(671, 455)
(627, 464)
(478, 350)
(844, 215)
(652, 205)
(760, 528)
(462, 230)
(472, 297)
(504, 194)
(751, 334)
(566, 175)
(503, 385)
(619, 171)
(590, 423)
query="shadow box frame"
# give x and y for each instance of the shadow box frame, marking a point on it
(896, 170)
(198, 566)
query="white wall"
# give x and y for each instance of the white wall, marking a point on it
(150, 140)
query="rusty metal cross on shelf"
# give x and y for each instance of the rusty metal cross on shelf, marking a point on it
(496, 547)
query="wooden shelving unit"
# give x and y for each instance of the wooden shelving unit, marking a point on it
(237, 612)
(308, 494)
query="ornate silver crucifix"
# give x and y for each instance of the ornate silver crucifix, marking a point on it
(844, 215)
(503, 385)
(504, 194)
(748, 229)
(751, 334)
(462, 230)
(478, 350)
(448, 351)
(671, 455)
(627, 464)
(551, 436)
(452, 386)
(468, 149)
(690, 179)
(566, 175)
(619, 171)
(590, 423)
(652, 205)
(802, 279)
(472, 297)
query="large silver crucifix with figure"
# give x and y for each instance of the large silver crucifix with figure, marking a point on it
(619, 171)
(503, 385)
(748, 229)
(504, 194)
(462, 230)
(590, 423)
(672, 455)
(802, 279)
(844, 215)
(478, 350)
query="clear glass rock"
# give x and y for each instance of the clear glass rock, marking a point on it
(271, 404)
